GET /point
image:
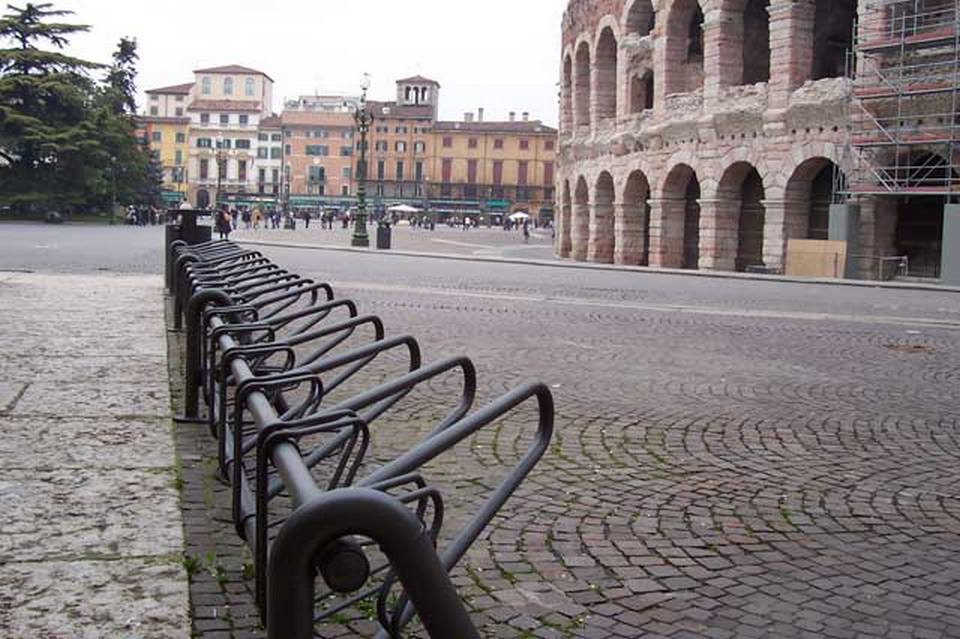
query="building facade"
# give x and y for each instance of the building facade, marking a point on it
(709, 134)
(166, 128)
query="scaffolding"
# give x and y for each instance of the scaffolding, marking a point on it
(903, 126)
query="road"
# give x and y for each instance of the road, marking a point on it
(732, 458)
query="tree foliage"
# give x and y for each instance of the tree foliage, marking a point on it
(67, 138)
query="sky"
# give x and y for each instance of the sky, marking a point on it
(502, 55)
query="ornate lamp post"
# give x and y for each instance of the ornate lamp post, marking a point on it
(363, 120)
(220, 169)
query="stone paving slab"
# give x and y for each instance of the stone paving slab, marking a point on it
(92, 541)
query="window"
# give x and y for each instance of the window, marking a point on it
(287, 150)
(156, 136)
(244, 119)
(345, 189)
(447, 169)
(401, 147)
(242, 170)
(548, 173)
(204, 143)
(346, 151)
(381, 145)
(204, 118)
(524, 145)
(381, 169)
(400, 171)
(154, 97)
(154, 110)
(276, 137)
(224, 118)
(248, 87)
(275, 173)
(472, 143)
(261, 178)
(316, 174)
(348, 135)
(418, 172)
(228, 86)
(316, 149)
(447, 143)
(205, 86)
(549, 145)
(179, 98)
(472, 171)
(522, 173)
(275, 153)
(242, 144)
(346, 172)
(179, 112)
(204, 169)
(320, 133)
(178, 157)
(400, 129)
(498, 143)
(419, 147)
(181, 138)
(223, 144)
(262, 137)
(498, 172)
(262, 152)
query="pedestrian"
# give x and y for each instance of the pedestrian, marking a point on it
(526, 231)
(306, 219)
(223, 223)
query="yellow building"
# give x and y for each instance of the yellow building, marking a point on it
(493, 168)
(166, 127)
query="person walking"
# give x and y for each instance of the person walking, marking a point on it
(526, 231)
(223, 224)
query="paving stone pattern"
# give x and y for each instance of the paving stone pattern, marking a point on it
(713, 474)
(91, 541)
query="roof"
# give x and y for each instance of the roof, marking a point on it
(400, 111)
(531, 126)
(233, 68)
(178, 89)
(224, 105)
(419, 79)
(317, 119)
(271, 122)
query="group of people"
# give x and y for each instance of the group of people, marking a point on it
(228, 219)
(144, 215)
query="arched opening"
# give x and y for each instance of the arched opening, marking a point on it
(566, 111)
(808, 196)
(641, 92)
(684, 47)
(580, 229)
(606, 75)
(756, 42)
(832, 37)
(581, 87)
(739, 217)
(633, 225)
(602, 241)
(566, 209)
(641, 18)
(203, 199)
(677, 241)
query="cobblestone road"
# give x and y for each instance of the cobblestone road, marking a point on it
(732, 459)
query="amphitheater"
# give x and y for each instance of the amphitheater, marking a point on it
(712, 134)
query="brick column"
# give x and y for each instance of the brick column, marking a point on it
(563, 231)
(580, 231)
(784, 220)
(791, 47)
(629, 221)
(666, 232)
(722, 52)
(600, 246)
(719, 234)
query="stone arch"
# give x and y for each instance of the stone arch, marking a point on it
(566, 208)
(833, 26)
(807, 199)
(684, 46)
(639, 18)
(734, 225)
(632, 222)
(566, 93)
(605, 75)
(581, 85)
(580, 225)
(602, 240)
(675, 230)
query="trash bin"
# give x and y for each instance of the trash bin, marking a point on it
(383, 236)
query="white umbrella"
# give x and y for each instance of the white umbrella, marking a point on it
(519, 215)
(403, 208)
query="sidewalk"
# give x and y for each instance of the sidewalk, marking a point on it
(558, 263)
(92, 539)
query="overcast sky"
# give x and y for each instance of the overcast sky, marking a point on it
(499, 54)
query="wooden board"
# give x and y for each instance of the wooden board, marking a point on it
(816, 258)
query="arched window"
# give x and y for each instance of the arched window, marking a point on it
(832, 37)
(641, 19)
(606, 75)
(756, 42)
(683, 71)
(228, 86)
(641, 92)
(581, 91)
(248, 87)
(205, 86)
(695, 36)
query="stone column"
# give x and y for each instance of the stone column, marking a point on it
(564, 231)
(950, 248)
(666, 232)
(629, 221)
(719, 234)
(600, 247)
(722, 52)
(791, 48)
(784, 220)
(580, 231)
(845, 227)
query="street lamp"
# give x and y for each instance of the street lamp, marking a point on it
(221, 170)
(363, 120)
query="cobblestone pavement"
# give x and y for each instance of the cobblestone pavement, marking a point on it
(91, 540)
(732, 459)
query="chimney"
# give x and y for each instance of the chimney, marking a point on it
(526, 116)
(513, 116)
(480, 114)
(468, 116)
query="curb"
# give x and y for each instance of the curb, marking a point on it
(588, 266)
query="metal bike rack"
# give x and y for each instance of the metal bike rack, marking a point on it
(270, 354)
